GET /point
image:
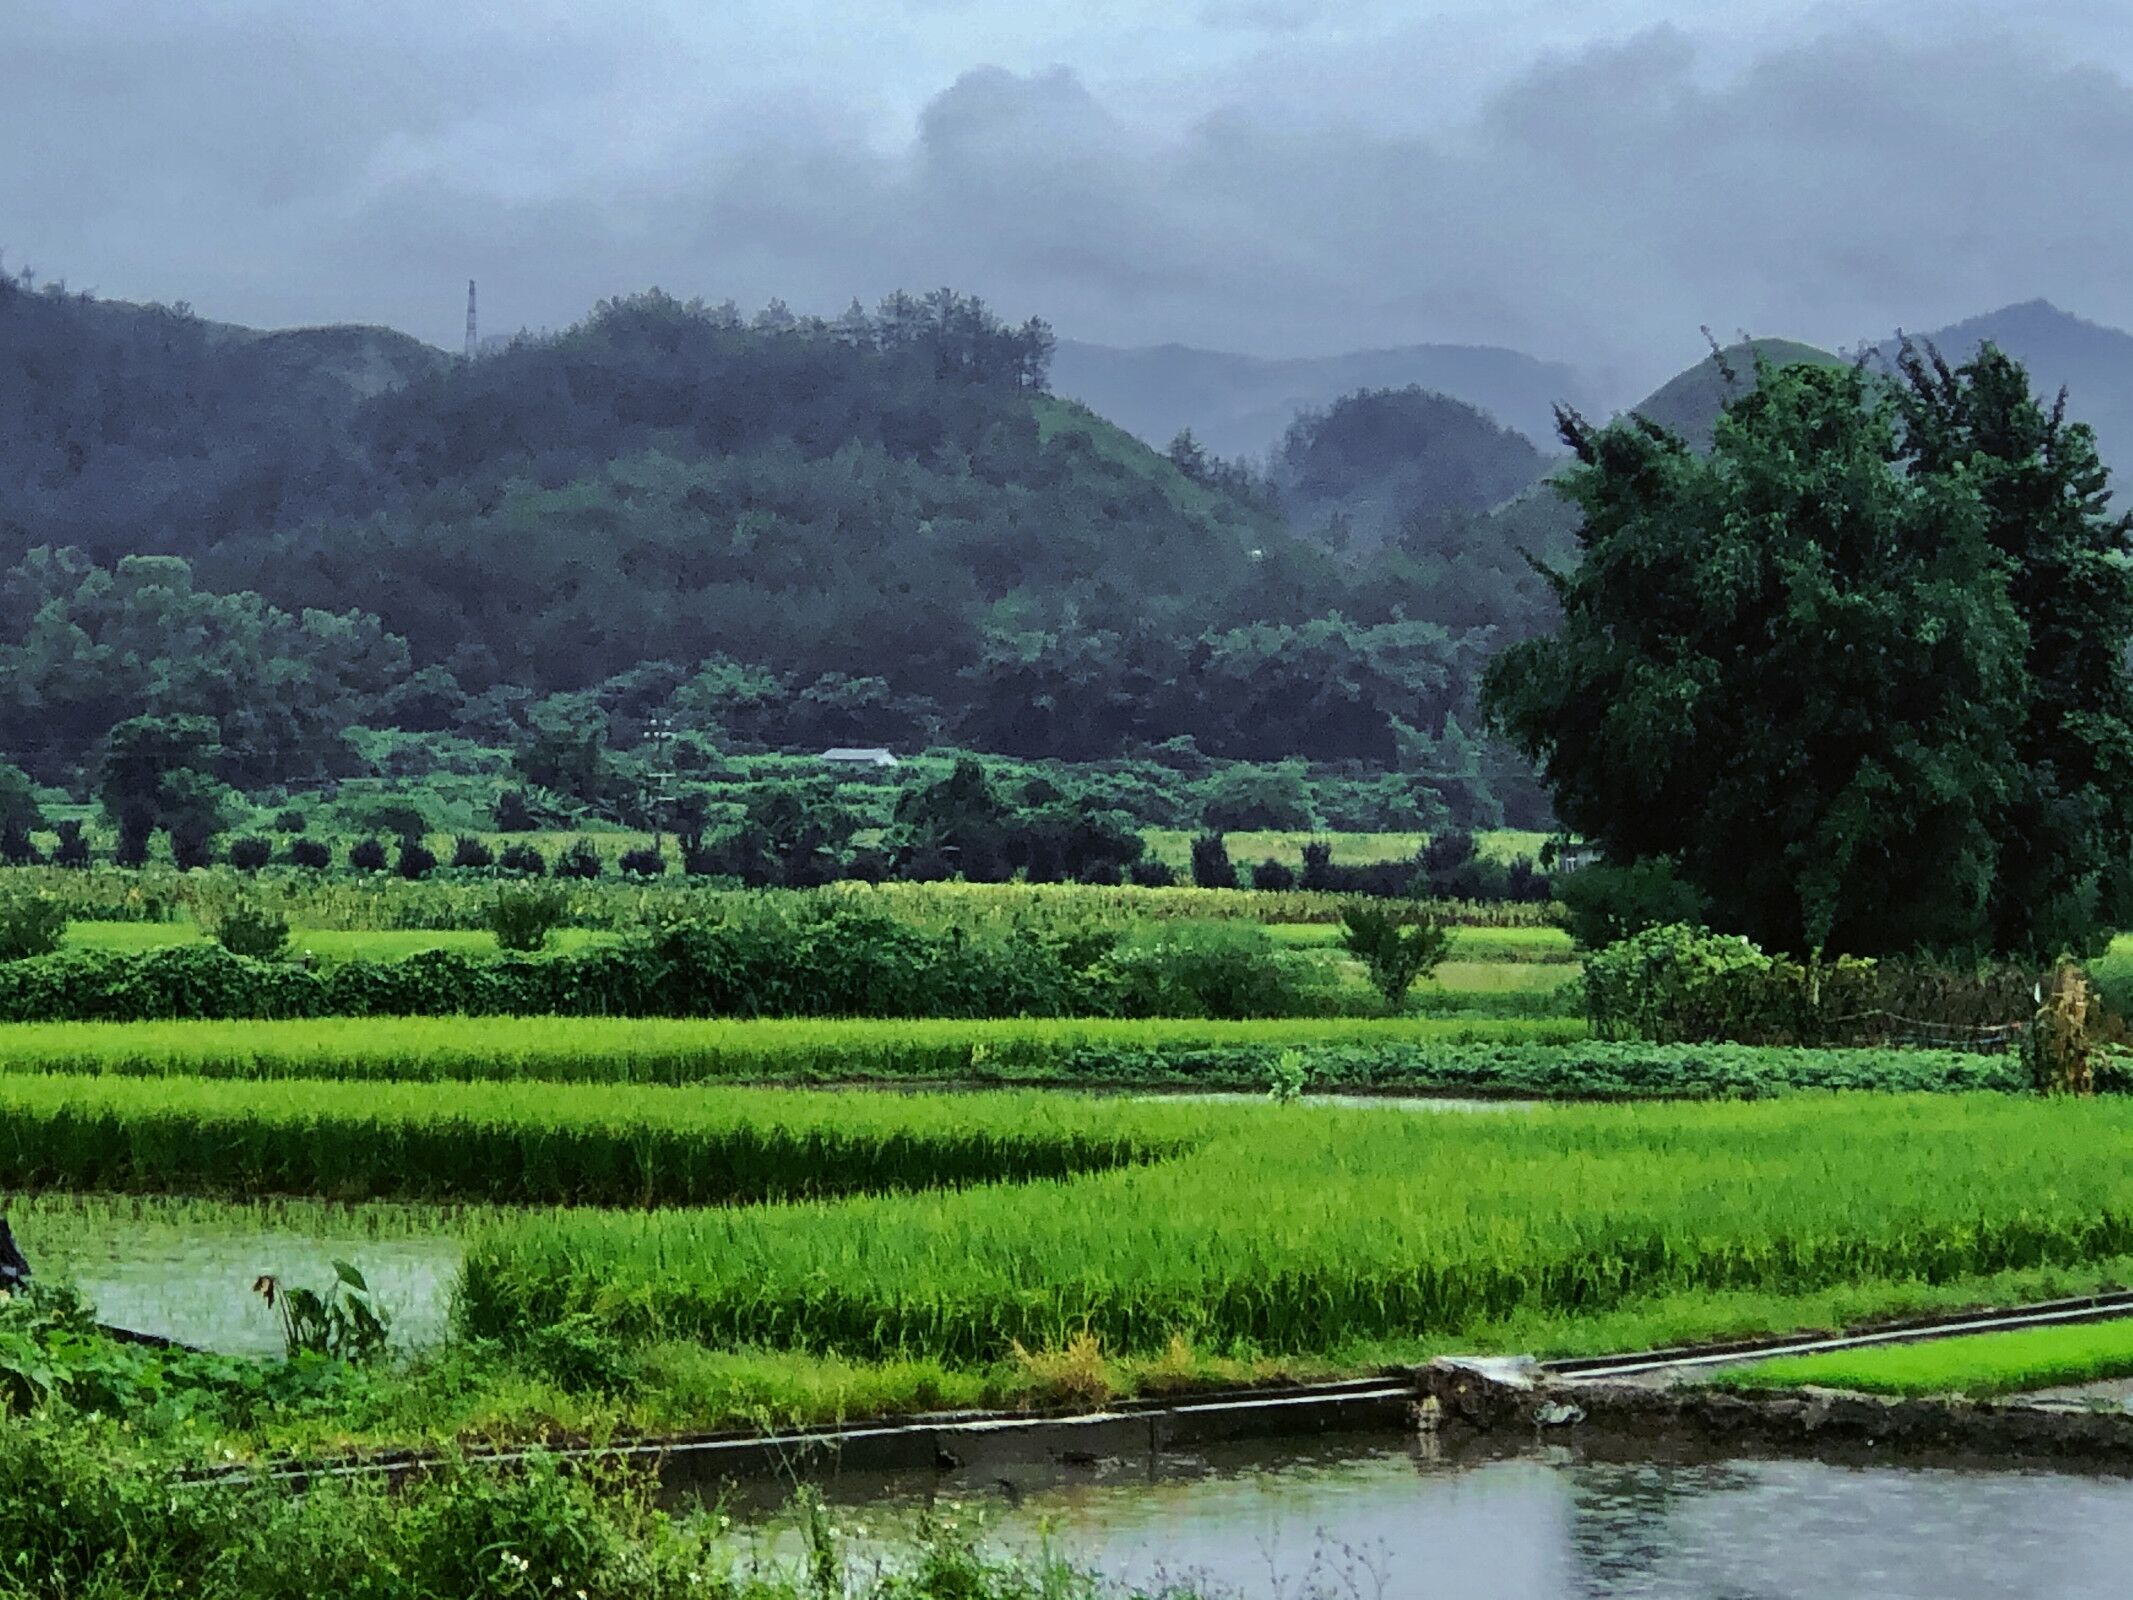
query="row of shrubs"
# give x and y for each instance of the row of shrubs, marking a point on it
(826, 963)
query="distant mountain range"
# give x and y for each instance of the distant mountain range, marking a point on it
(1239, 406)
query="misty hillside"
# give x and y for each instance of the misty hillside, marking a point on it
(1241, 406)
(1381, 463)
(878, 530)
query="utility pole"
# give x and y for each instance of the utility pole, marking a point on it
(470, 319)
(659, 777)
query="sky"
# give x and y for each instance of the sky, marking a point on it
(1591, 181)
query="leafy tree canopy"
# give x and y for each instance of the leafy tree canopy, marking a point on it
(1808, 666)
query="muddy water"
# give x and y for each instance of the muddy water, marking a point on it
(1373, 1517)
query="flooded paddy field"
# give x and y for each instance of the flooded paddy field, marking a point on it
(184, 1269)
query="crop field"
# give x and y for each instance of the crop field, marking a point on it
(1979, 1365)
(329, 945)
(1362, 1226)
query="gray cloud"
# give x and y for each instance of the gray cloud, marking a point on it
(1596, 204)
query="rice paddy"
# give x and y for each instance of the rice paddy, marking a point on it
(1362, 1225)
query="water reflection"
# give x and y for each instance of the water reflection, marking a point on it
(1376, 1517)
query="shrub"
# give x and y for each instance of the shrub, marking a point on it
(251, 852)
(1211, 865)
(395, 818)
(468, 851)
(1190, 969)
(192, 843)
(367, 855)
(514, 813)
(242, 926)
(73, 848)
(16, 848)
(31, 923)
(1318, 864)
(522, 918)
(1681, 984)
(1272, 875)
(416, 860)
(1605, 904)
(581, 860)
(1153, 874)
(523, 858)
(1397, 949)
(310, 853)
(290, 821)
(131, 849)
(1105, 874)
(643, 862)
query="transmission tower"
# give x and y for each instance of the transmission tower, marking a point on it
(470, 319)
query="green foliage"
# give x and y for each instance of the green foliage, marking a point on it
(343, 1324)
(1211, 865)
(19, 809)
(1794, 615)
(1678, 983)
(1604, 904)
(31, 923)
(2065, 832)
(156, 773)
(242, 925)
(523, 917)
(1286, 1077)
(580, 861)
(1205, 970)
(1244, 797)
(1397, 946)
(251, 852)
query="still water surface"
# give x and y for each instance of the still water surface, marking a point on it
(1374, 1517)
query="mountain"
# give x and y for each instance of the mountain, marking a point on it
(2093, 363)
(1240, 406)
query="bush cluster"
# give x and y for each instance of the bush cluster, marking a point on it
(1676, 983)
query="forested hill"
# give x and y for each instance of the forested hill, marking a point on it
(778, 530)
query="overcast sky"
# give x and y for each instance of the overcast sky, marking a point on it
(1587, 180)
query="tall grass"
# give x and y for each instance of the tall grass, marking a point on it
(547, 1143)
(1297, 1230)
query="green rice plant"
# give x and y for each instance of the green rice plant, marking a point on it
(1979, 1365)
(525, 1144)
(1360, 1225)
(663, 1051)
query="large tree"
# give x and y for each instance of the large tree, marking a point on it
(2066, 835)
(1792, 665)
